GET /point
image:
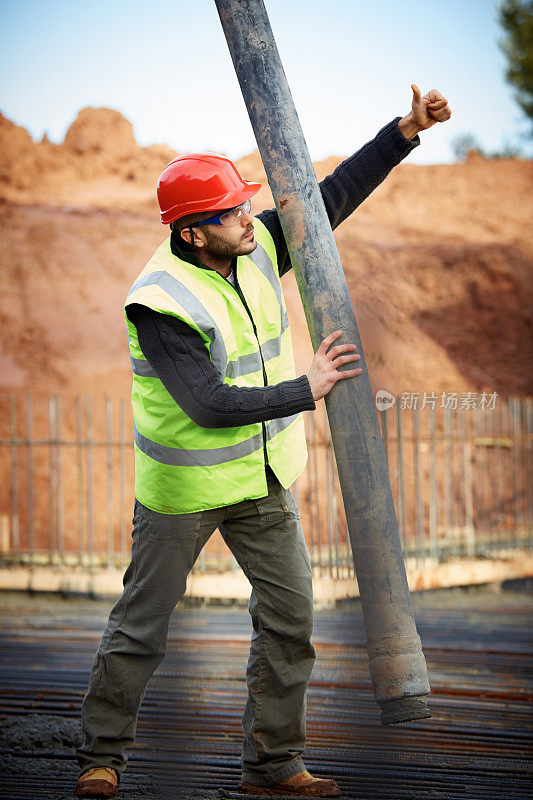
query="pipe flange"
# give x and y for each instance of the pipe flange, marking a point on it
(403, 709)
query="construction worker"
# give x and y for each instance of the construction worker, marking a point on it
(219, 438)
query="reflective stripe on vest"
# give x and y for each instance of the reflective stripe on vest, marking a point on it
(142, 368)
(261, 259)
(209, 457)
(179, 292)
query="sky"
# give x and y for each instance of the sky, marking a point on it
(349, 63)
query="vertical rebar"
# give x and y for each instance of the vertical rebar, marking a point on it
(433, 487)
(401, 481)
(525, 477)
(15, 519)
(29, 438)
(59, 482)
(506, 468)
(470, 534)
(447, 475)
(81, 494)
(89, 479)
(498, 454)
(494, 499)
(109, 459)
(335, 511)
(528, 430)
(514, 417)
(478, 476)
(419, 506)
(385, 434)
(487, 481)
(52, 525)
(455, 484)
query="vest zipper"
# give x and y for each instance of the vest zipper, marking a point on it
(265, 377)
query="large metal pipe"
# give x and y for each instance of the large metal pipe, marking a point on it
(397, 664)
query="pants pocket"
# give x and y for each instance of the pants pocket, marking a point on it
(172, 527)
(286, 500)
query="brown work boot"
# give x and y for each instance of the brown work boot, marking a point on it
(301, 785)
(98, 782)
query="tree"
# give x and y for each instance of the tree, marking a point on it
(465, 143)
(516, 19)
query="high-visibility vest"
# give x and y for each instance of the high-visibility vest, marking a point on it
(181, 467)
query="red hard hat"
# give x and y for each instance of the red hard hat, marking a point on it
(198, 182)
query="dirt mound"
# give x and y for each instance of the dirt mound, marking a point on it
(22, 161)
(97, 130)
(15, 142)
(98, 165)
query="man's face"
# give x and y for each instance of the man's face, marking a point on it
(227, 242)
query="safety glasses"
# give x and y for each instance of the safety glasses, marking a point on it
(232, 216)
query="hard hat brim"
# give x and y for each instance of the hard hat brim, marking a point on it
(228, 200)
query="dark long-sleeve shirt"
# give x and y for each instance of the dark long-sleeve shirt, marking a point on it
(176, 352)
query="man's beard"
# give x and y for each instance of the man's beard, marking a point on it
(221, 249)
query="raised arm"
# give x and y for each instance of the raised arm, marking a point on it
(357, 177)
(351, 183)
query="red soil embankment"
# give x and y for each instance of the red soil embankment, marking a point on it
(438, 261)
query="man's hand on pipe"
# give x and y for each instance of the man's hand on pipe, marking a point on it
(323, 373)
(426, 111)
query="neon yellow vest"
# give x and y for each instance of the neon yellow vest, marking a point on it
(181, 467)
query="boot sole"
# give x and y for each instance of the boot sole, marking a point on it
(97, 788)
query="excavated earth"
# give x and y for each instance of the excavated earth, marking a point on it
(438, 262)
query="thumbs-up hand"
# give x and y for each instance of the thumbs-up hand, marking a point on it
(425, 111)
(429, 109)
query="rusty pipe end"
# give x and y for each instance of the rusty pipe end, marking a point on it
(403, 709)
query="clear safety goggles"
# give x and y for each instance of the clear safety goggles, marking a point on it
(232, 216)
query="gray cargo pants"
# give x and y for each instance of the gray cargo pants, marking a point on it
(266, 538)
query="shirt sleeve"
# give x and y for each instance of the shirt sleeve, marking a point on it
(177, 354)
(351, 182)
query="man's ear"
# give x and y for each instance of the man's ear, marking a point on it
(190, 235)
(186, 234)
